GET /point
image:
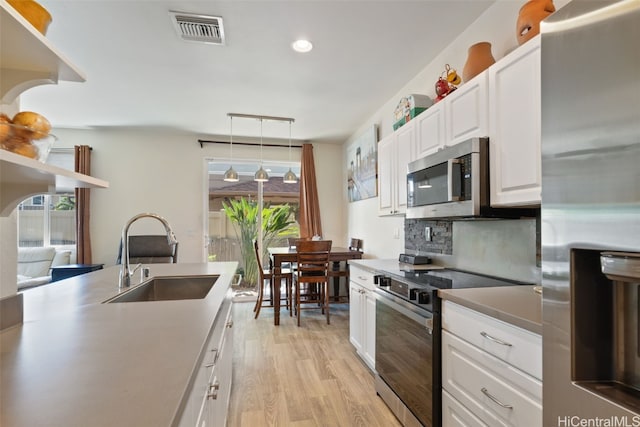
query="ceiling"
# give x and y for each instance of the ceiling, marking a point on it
(140, 74)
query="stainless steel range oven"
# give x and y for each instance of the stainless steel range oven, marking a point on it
(408, 338)
(404, 351)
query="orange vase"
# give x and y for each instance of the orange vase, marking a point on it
(478, 60)
(531, 13)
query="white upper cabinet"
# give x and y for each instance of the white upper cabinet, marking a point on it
(429, 130)
(467, 110)
(404, 154)
(385, 175)
(461, 115)
(515, 127)
(394, 154)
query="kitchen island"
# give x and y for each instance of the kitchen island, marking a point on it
(76, 361)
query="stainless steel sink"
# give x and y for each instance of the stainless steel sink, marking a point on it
(168, 288)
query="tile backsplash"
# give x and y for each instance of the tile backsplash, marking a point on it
(502, 248)
(441, 236)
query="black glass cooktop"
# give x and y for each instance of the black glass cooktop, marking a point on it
(451, 279)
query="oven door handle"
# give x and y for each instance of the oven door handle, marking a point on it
(424, 320)
(454, 180)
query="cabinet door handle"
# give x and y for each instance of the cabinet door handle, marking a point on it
(495, 340)
(486, 393)
(362, 278)
(216, 353)
(229, 324)
(213, 390)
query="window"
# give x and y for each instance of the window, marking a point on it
(47, 220)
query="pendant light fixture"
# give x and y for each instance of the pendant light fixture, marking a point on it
(261, 174)
(231, 175)
(290, 177)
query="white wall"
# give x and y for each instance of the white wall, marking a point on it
(164, 173)
(497, 26)
(8, 255)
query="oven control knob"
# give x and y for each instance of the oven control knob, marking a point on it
(413, 293)
(424, 297)
(384, 281)
(376, 278)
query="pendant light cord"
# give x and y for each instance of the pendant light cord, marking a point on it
(289, 142)
(231, 139)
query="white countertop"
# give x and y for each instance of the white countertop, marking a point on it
(77, 362)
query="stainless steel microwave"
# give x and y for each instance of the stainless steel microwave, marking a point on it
(454, 183)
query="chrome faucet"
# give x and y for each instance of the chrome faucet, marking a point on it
(125, 271)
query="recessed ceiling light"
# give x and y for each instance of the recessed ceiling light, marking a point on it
(302, 46)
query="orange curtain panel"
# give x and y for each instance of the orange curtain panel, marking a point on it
(83, 236)
(310, 224)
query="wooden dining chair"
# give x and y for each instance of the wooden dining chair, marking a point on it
(340, 269)
(311, 281)
(266, 280)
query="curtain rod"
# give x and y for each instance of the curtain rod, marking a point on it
(65, 149)
(253, 144)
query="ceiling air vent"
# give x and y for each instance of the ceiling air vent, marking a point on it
(198, 28)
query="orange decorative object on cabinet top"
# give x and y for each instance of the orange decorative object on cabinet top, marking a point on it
(479, 59)
(531, 13)
(33, 12)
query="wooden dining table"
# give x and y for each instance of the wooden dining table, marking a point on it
(281, 255)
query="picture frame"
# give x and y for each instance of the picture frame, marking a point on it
(362, 166)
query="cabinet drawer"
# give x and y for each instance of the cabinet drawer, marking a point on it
(456, 415)
(360, 276)
(516, 346)
(495, 391)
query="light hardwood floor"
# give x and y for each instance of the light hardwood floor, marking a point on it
(300, 376)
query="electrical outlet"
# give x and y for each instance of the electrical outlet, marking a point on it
(427, 234)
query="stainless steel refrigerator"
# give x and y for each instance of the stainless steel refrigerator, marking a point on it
(590, 216)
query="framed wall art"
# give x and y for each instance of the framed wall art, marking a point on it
(362, 166)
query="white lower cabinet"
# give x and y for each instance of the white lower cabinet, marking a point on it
(488, 377)
(362, 315)
(456, 415)
(208, 401)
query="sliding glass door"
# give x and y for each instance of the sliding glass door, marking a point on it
(236, 211)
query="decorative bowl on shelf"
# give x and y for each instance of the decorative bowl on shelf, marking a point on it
(33, 12)
(26, 142)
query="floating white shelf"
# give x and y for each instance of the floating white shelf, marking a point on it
(27, 58)
(21, 177)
